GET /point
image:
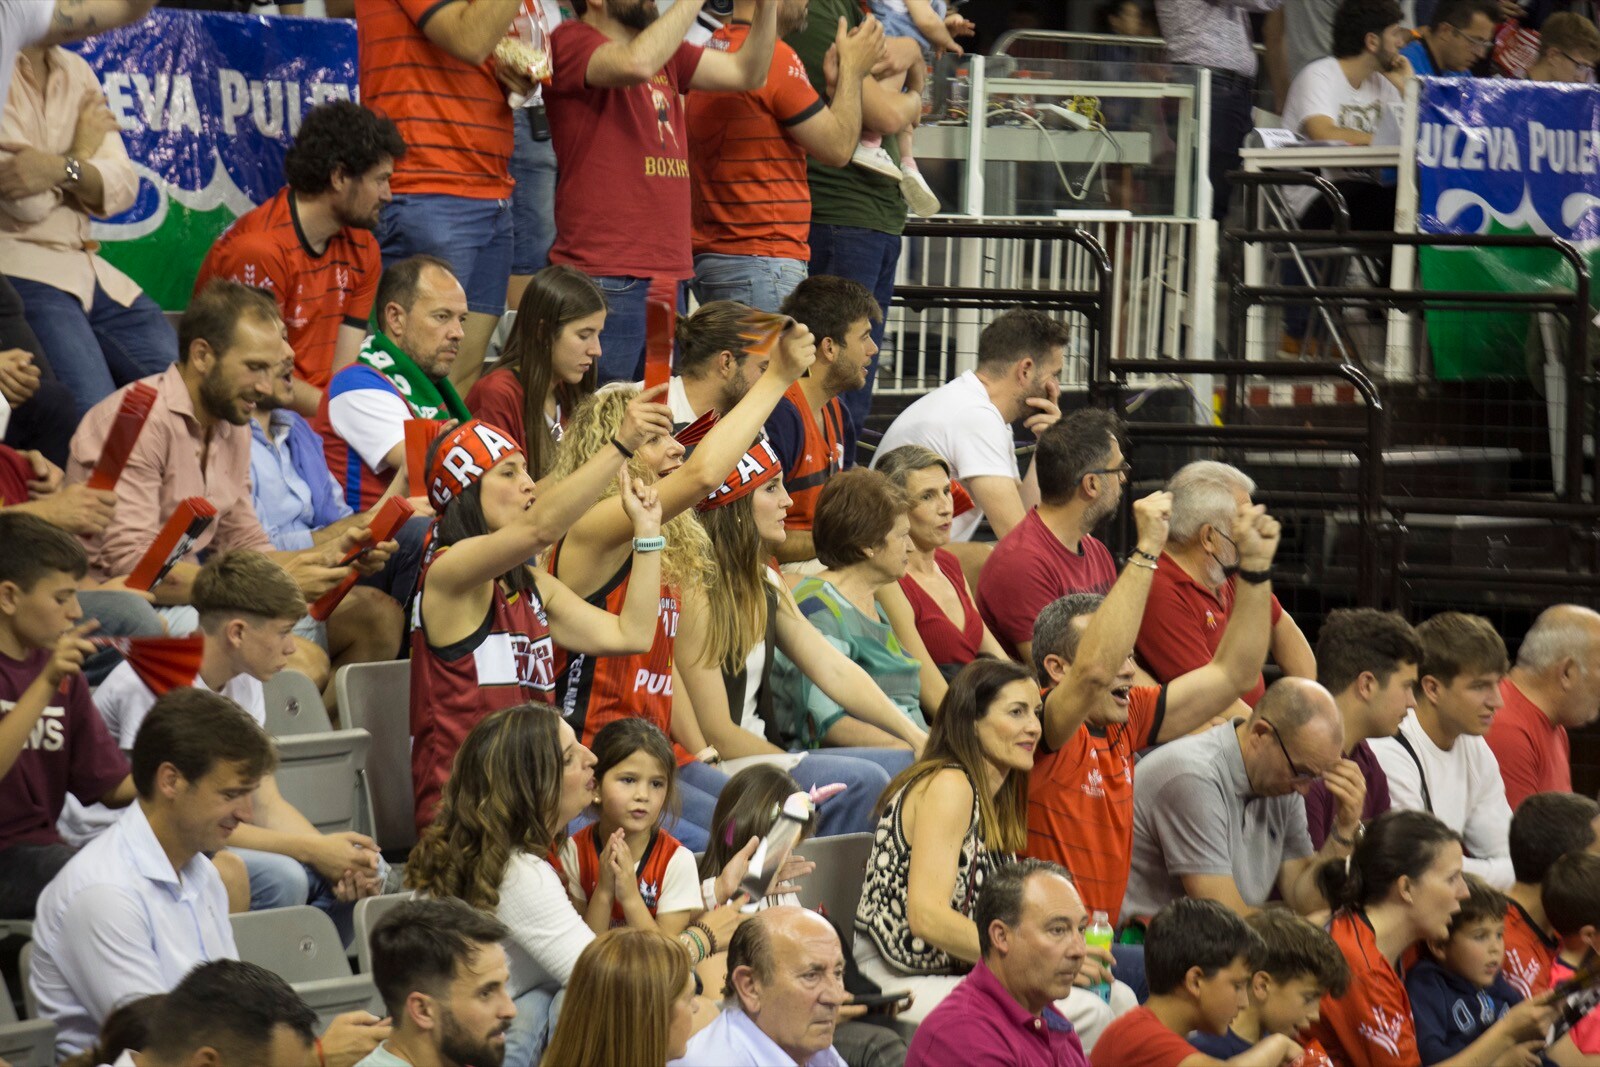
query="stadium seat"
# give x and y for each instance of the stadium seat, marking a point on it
(294, 706)
(368, 911)
(376, 697)
(30, 1003)
(24, 1043)
(835, 886)
(301, 946)
(324, 776)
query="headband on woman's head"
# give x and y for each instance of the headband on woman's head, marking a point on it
(756, 468)
(463, 457)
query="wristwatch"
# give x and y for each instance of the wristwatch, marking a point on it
(74, 170)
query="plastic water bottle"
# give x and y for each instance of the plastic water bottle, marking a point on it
(1098, 935)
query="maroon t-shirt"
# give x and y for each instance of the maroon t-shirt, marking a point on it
(69, 751)
(14, 474)
(1030, 569)
(622, 201)
(1319, 802)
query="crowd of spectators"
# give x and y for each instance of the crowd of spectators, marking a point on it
(646, 626)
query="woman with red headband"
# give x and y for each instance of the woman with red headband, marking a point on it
(726, 644)
(594, 561)
(486, 623)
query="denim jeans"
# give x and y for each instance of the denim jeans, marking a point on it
(868, 257)
(119, 614)
(533, 202)
(1231, 122)
(531, 1029)
(762, 282)
(699, 785)
(399, 576)
(623, 337)
(282, 882)
(95, 354)
(24, 872)
(865, 773)
(473, 236)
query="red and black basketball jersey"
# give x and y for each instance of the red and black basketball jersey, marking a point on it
(652, 867)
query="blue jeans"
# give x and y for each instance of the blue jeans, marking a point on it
(119, 614)
(95, 354)
(399, 576)
(282, 882)
(623, 336)
(531, 1029)
(533, 202)
(868, 257)
(699, 785)
(761, 282)
(864, 771)
(473, 236)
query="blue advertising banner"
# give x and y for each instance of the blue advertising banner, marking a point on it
(1498, 156)
(208, 104)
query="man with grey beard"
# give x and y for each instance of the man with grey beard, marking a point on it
(615, 104)
(1052, 552)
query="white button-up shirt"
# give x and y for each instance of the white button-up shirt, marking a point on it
(734, 1040)
(119, 923)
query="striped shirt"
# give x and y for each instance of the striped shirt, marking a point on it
(317, 292)
(453, 115)
(1211, 33)
(750, 194)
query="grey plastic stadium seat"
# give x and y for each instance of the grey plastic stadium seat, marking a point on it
(368, 911)
(324, 776)
(301, 946)
(294, 706)
(24, 1043)
(376, 697)
(835, 886)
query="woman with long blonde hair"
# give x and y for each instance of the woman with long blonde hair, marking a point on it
(595, 560)
(519, 778)
(962, 812)
(639, 1004)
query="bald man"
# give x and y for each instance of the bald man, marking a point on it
(1554, 687)
(1221, 815)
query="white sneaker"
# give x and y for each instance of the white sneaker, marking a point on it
(920, 198)
(875, 159)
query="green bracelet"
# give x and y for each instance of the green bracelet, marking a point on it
(649, 544)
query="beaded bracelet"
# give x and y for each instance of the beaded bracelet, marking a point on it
(710, 937)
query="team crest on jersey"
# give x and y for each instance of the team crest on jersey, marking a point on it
(1383, 1029)
(1094, 783)
(650, 893)
(1522, 974)
(535, 660)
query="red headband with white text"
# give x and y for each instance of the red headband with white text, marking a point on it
(463, 457)
(756, 468)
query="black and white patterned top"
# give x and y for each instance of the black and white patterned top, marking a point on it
(882, 916)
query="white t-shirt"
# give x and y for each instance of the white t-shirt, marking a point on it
(123, 701)
(1322, 89)
(1464, 788)
(547, 933)
(680, 885)
(960, 423)
(22, 22)
(367, 413)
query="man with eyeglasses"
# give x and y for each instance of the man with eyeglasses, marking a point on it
(1081, 473)
(1569, 48)
(1192, 594)
(1458, 37)
(1221, 815)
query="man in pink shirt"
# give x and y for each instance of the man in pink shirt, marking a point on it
(1554, 687)
(196, 442)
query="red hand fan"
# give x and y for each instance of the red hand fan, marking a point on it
(761, 330)
(131, 415)
(188, 521)
(162, 663)
(961, 498)
(661, 323)
(395, 511)
(696, 431)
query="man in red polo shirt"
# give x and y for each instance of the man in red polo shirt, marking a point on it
(1554, 687)
(429, 65)
(615, 104)
(1080, 794)
(311, 246)
(1193, 592)
(751, 200)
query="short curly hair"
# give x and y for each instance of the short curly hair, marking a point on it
(339, 135)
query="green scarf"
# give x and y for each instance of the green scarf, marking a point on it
(428, 398)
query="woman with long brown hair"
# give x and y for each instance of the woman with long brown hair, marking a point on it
(548, 365)
(519, 778)
(638, 1003)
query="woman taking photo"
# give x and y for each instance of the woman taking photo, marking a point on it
(1401, 885)
(728, 638)
(941, 602)
(520, 777)
(548, 365)
(860, 531)
(486, 622)
(596, 560)
(949, 819)
(639, 1000)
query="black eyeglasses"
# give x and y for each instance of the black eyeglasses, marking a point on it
(1301, 775)
(1579, 65)
(1125, 470)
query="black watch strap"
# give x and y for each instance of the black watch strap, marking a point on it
(1255, 577)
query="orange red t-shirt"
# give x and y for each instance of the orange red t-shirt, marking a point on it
(750, 195)
(317, 292)
(1183, 624)
(1535, 754)
(1529, 954)
(1371, 1025)
(1080, 801)
(453, 115)
(1137, 1039)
